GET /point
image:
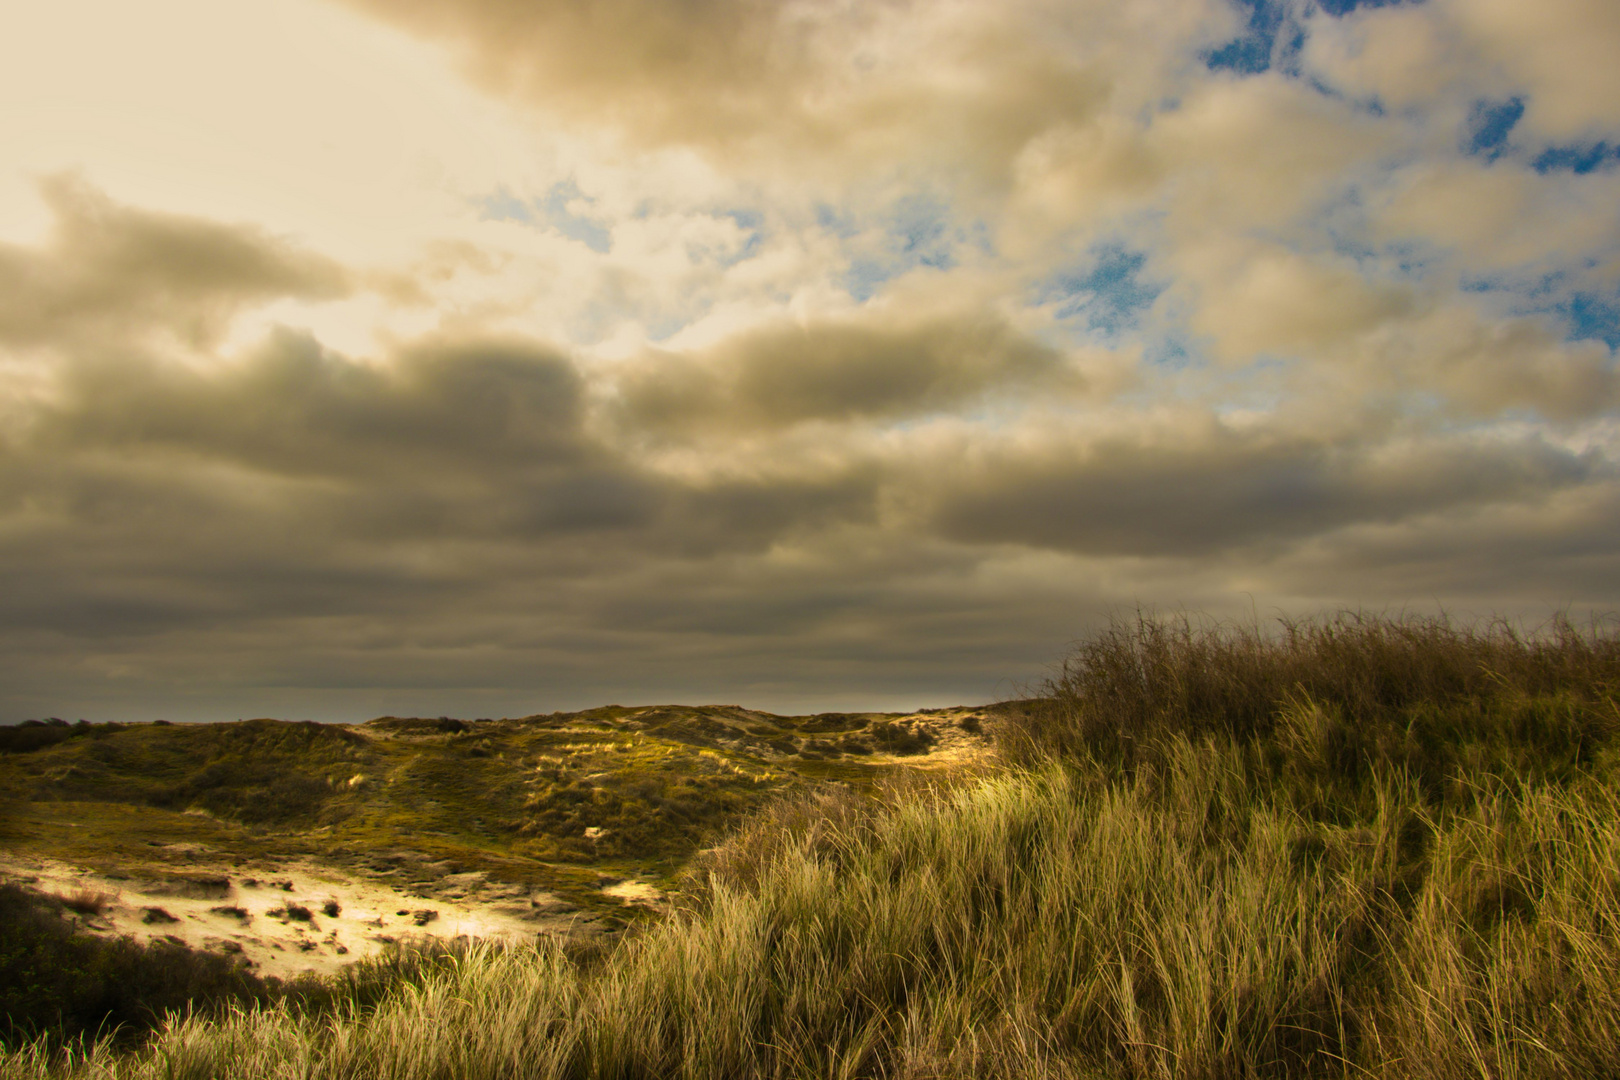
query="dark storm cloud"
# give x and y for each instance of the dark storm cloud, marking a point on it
(448, 439)
(836, 370)
(450, 523)
(295, 408)
(141, 496)
(454, 479)
(1556, 549)
(111, 268)
(1203, 492)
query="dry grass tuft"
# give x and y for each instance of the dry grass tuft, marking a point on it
(86, 901)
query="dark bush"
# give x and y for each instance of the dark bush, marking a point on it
(33, 735)
(57, 979)
(901, 736)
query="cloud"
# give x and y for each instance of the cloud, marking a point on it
(109, 268)
(1560, 547)
(826, 82)
(1560, 52)
(876, 365)
(445, 442)
(1260, 151)
(1203, 488)
(1259, 300)
(1486, 367)
(622, 56)
(457, 515)
(1553, 56)
(294, 408)
(1502, 216)
(1402, 55)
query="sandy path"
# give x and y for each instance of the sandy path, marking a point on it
(302, 916)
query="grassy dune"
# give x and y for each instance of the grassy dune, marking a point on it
(552, 801)
(1355, 847)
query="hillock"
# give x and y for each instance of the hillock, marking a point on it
(567, 824)
(538, 799)
(1344, 847)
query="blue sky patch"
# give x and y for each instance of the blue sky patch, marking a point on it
(835, 221)
(1410, 259)
(1489, 123)
(1251, 53)
(1106, 291)
(504, 206)
(1592, 316)
(865, 276)
(1578, 158)
(916, 232)
(551, 210)
(1587, 316)
(751, 223)
(1273, 37)
(1338, 8)
(918, 224)
(1172, 351)
(574, 226)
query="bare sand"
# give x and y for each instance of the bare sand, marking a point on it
(301, 917)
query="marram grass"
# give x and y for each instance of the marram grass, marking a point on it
(1042, 924)
(1314, 895)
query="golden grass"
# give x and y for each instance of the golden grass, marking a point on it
(1259, 868)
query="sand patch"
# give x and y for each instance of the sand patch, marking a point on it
(631, 891)
(301, 917)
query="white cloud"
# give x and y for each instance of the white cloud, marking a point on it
(1560, 53)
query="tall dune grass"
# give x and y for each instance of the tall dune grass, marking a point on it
(1418, 688)
(1353, 879)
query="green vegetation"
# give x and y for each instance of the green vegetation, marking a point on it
(562, 802)
(550, 801)
(1357, 847)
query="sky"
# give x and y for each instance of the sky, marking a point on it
(491, 357)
